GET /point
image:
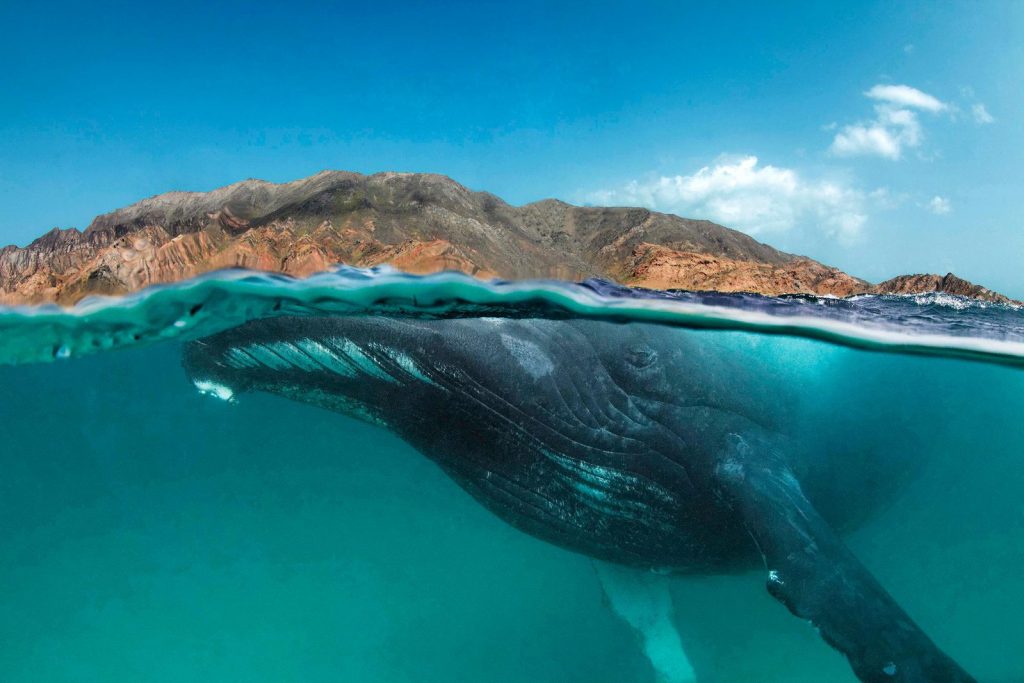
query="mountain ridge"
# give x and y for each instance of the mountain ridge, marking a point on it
(419, 223)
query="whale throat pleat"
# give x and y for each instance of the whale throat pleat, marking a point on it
(405, 362)
(614, 492)
(326, 357)
(337, 355)
(359, 358)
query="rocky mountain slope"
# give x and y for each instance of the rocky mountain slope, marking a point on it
(419, 223)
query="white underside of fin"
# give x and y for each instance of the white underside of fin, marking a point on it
(641, 598)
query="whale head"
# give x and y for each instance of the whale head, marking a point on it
(360, 364)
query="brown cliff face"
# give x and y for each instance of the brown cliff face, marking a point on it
(657, 267)
(419, 223)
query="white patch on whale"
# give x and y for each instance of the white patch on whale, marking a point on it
(529, 356)
(210, 388)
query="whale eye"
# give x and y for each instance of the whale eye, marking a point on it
(641, 355)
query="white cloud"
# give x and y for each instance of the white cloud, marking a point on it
(739, 193)
(867, 139)
(896, 125)
(905, 96)
(939, 205)
(981, 114)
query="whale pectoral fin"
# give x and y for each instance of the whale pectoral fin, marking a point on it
(642, 599)
(813, 574)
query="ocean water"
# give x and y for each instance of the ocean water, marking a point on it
(154, 533)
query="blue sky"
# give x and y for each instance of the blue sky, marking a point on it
(879, 137)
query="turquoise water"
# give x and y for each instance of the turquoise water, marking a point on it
(151, 533)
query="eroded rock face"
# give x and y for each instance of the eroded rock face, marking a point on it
(419, 223)
(657, 267)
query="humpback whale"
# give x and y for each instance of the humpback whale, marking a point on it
(636, 444)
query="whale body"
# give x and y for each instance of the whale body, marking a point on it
(638, 444)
